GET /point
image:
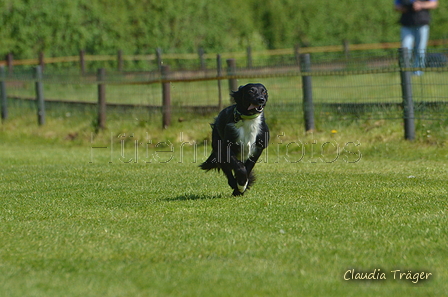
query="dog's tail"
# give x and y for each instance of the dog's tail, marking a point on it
(210, 163)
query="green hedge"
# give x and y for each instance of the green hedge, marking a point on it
(61, 27)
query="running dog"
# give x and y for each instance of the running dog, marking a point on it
(239, 136)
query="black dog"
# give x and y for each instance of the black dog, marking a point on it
(239, 136)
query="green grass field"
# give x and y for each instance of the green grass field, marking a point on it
(79, 221)
(127, 212)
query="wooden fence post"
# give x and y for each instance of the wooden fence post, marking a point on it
(3, 96)
(10, 62)
(166, 97)
(120, 60)
(82, 62)
(219, 67)
(249, 57)
(202, 63)
(406, 89)
(308, 107)
(101, 75)
(231, 71)
(159, 58)
(40, 96)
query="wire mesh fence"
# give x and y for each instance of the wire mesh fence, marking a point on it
(345, 87)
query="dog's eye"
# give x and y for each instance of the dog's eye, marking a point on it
(252, 91)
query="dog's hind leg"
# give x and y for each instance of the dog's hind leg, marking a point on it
(229, 174)
(210, 163)
(236, 176)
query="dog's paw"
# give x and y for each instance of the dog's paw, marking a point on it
(237, 193)
(242, 188)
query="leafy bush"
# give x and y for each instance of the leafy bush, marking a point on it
(61, 28)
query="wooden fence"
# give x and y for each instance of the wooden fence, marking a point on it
(167, 77)
(200, 56)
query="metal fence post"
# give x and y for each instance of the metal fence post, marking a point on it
(346, 46)
(166, 97)
(42, 60)
(297, 53)
(406, 89)
(202, 62)
(308, 107)
(3, 96)
(10, 62)
(40, 96)
(101, 75)
(231, 71)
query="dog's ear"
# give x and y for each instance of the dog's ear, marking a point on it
(237, 95)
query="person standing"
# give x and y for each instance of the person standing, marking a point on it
(415, 19)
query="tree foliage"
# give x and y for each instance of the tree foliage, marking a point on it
(61, 28)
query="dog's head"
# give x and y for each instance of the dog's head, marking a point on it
(251, 98)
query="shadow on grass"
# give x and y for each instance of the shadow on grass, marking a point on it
(187, 197)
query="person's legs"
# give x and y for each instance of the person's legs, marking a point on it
(407, 40)
(421, 41)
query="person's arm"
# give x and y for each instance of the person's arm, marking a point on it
(419, 5)
(399, 7)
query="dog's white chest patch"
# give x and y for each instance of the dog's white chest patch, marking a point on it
(247, 135)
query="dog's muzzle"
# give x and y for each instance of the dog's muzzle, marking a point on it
(258, 107)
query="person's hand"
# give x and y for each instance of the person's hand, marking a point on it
(417, 5)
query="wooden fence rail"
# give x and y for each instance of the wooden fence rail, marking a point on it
(201, 55)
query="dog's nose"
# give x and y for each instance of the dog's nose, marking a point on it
(261, 100)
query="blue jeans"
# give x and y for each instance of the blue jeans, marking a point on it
(416, 39)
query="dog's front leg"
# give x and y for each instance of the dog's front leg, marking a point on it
(250, 163)
(260, 144)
